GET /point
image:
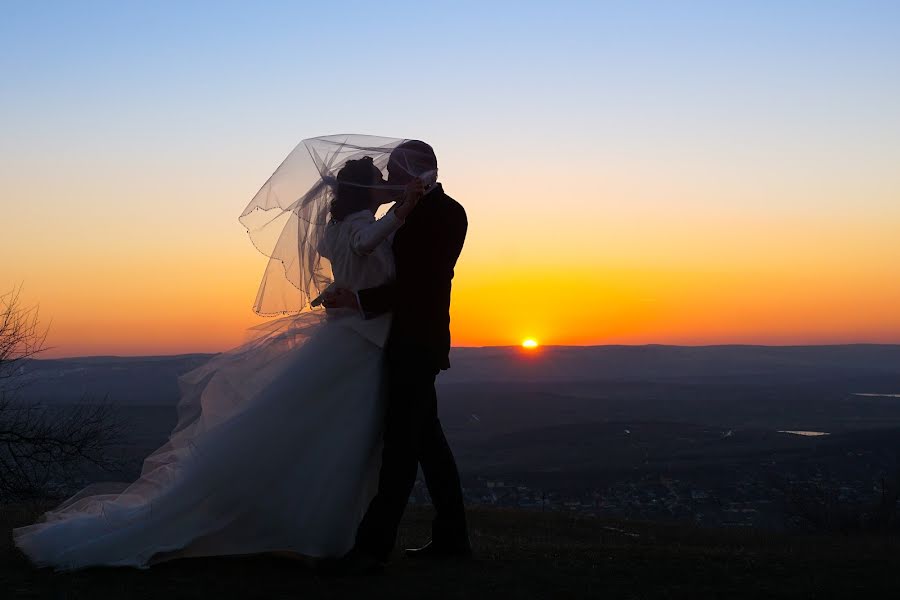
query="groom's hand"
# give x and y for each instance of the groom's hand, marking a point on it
(339, 298)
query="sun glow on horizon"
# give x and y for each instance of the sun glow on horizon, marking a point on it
(650, 224)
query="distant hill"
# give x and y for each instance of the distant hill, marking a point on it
(665, 363)
(137, 380)
(153, 380)
(628, 430)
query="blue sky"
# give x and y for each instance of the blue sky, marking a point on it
(539, 71)
(790, 89)
(687, 136)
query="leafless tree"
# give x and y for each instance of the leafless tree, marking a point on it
(21, 338)
(42, 449)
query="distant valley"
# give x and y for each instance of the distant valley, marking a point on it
(668, 432)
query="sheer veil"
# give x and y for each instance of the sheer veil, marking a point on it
(286, 218)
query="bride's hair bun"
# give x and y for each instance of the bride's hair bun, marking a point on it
(353, 192)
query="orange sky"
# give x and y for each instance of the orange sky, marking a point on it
(631, 174)
(661, 262)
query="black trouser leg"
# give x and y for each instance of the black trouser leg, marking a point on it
(410, 393)
(442, 479)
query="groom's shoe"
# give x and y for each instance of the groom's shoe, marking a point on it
(434, 551)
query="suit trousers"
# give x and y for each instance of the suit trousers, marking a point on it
(413, 436)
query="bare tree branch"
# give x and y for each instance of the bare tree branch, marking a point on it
(43, 449)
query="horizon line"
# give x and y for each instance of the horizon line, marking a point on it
(519, 347)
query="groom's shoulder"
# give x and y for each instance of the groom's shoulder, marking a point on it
(453, 208)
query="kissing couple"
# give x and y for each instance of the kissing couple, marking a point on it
(307, 438)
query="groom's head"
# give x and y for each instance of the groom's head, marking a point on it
(411, 159)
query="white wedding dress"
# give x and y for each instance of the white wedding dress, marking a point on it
(277, 447)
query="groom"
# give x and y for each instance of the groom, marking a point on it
(425, 252)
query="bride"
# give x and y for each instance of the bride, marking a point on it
(277, 446)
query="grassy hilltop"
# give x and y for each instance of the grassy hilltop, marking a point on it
(520, 555)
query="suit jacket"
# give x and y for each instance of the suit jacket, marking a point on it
(425, 252)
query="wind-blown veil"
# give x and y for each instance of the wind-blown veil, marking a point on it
(286, 220)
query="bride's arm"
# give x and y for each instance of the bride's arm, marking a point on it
(364, 239)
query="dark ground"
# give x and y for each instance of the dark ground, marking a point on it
(519, 555)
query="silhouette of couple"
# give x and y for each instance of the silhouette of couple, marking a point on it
(307, 439)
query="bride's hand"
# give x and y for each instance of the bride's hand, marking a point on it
(415, 189)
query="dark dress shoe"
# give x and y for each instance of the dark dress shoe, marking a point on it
(440, 551)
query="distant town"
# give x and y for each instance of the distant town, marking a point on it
(788, 500)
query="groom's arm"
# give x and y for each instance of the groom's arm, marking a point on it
(446, 245)
(456, 237)
(377, 300)
(436, 265)
(370, 302)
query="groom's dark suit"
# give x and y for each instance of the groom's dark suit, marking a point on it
(425, 252)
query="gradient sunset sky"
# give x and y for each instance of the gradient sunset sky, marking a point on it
(634, 172)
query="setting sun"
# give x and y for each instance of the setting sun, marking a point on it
(530, 343)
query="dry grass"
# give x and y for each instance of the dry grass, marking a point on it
(519, 555)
